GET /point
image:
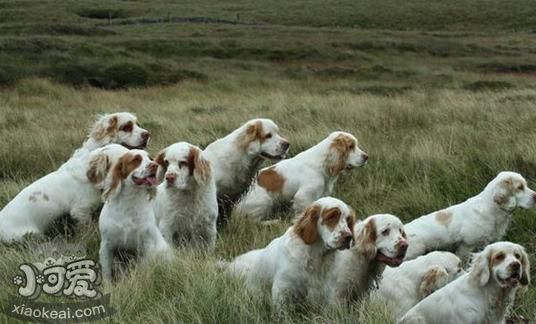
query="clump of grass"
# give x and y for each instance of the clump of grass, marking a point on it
(485, 85)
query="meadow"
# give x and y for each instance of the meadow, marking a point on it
(440, 96)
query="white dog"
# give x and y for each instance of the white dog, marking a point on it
(482, 295)
(474, 223)
(286, 266)
(185, 206)
(127, 219)
(302, 179)
(237, 157)
(404, 286)
(74, 189)
(379, 240)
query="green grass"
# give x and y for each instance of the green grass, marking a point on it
(428, 149)
(440, 94)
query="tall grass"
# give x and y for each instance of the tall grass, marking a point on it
(428, 149)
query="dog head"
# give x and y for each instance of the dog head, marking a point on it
(134, 170)
(181, 165)
(100, 162)
(344, 153)
(381, 238)
(260, 137)
(120, 128)
(504, 264)
(329, 220)
(509, 190)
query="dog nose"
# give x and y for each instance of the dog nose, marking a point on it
(365, 157)
(145, 136)
(515, 266)
(285, 145)
(170, 178)
(346, 242)
(402, 247)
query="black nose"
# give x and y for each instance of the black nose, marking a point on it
(365, 157)
(145, 135)
(346, 243)
(515, 266)
(285, 145)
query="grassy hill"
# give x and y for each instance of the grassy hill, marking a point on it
(440, 94)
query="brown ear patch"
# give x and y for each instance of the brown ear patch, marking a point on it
(254, 132)
(123, 167)
(101, 131)
(343, 145)
(330, 217)
(508, 186)
(305, 227)
(350, 220)
(432, 280)
(98, 168)
(270, 180)
(160, 157)
(366, 240)
(443, 217)
(197, 165)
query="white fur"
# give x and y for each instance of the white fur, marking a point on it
(479, 296)
(354, 272)
(404, 286)
(127, 219)
(185, 205)
(307, 178)
(235, 165)
(287, 265)
(67, 191)
(476, 222)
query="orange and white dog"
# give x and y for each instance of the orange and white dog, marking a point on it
(302, 179)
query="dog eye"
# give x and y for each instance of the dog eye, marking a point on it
(521, 187)
(352, 146)
(517, 256)
(499, 256)
(182, 164)
(269, 135)
(385, 232)
(166, 163)
(127, 127)
(403, 234)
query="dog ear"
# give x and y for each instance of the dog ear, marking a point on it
(199, 167)
(306, 226)
(433, 279)
(525, 265)
(105, 126)
(120, 171)
(340, 149)
(480, 271)
(504, 194)
(162, 165)
(365, 239)
(98, 168)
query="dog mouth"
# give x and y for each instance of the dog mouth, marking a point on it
(149, 180)
(511, 281)
(392, 262)
(142, 146)
(274, 157)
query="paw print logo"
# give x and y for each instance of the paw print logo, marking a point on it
(40, 279)
(18, 281)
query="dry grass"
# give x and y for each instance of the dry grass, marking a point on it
(427, 150)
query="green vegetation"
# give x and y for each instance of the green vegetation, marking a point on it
(439, 93)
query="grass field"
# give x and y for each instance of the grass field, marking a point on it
(440, 95)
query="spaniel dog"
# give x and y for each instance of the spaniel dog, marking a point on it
(185, 206)
(74, 189)
(483, 295)
(474, 223)
(403, 287)
(302, 179)
(286, 266)
(237, 157)
(127, 220)
(119, 128)
(379, 240)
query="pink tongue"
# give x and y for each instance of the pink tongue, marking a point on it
(152, 180)
(393, 262)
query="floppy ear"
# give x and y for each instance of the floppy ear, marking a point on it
(162, 166)
(480, 271)
(120, 171)
(98, 168)
(105, 126)
(340, 149)
(504, 194)
(199, 167)
(525, 265)
(306, 226)
(365, 239)
(253, 132)
(433, 279)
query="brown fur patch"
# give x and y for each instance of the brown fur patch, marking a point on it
(495, 258)
(330, 217)
(98, 168)
(270, 180)
(443, 217)
(306, 226)
(366, 240)
(350, 220)
(122, 168)
(102, 131)
(508, 186)
(343, 145)
(431, 280)
(254, 132)
(127, 127)
(199, 167)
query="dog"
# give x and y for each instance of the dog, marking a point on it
(302, 179)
